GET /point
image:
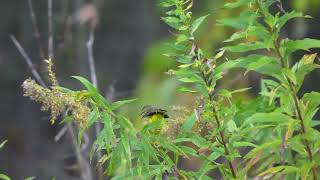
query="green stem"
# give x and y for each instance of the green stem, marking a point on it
(221, 133)
(298, 110)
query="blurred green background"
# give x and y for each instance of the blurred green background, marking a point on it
(129, 46)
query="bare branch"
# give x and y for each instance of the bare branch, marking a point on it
(61, 133)
(50, 31)
(89, 45)
(84, 165)
(28, 61)
(93, 76)
(36, 33)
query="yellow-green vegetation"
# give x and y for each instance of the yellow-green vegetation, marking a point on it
(272, 136)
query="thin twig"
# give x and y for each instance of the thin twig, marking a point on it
(28, 61)
(84, 166)
(303, 130)
(36, 33)
(85, 143)
(50, 31)
(92, 68)
(93, 76)
(61, 133)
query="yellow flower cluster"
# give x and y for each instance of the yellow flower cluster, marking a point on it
(57, 102)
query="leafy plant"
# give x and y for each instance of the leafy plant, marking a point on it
(3, 176)
(271, 136)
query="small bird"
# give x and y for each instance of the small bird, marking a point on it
(153, 113)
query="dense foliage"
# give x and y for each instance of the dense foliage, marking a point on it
(271, 136)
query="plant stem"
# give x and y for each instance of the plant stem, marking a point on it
(296, 100)
(25, 56)
(36, 32)
(93, 76)
(221, 133)
(50, 31)
(298, 110)
(223, 141)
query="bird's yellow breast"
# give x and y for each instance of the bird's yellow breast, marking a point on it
(155, 117)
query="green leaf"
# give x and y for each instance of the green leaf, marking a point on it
(216, 153)
(259, 63)
(189, 151)
(168, 3)
(90, 87)
(304, 44)
(169, 146)
(105, 137)
(286, 17)
(3, 143)
(174, 22)
(182, 38)
(289, 74)
(256, 31)
(283, 169)
(312, 101)
(237, 4)
(273, 117)
(304, 67)
(94, 92)
(184, 59)
(30, 178)
(187, 126)
(185, 89)
(240, 90)
(262, 148)
(192, 79)
(196, 23)
(204, 169)
(244, 47)
(224, 93)
(232, 127)
(243, 144)
(80, 136)
(66, 119)
(240, 22)
(236, 36)
(305, 170)
(4, 177)
(93, 116)
(118, 104)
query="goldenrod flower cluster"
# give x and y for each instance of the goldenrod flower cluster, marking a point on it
(57, 102)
